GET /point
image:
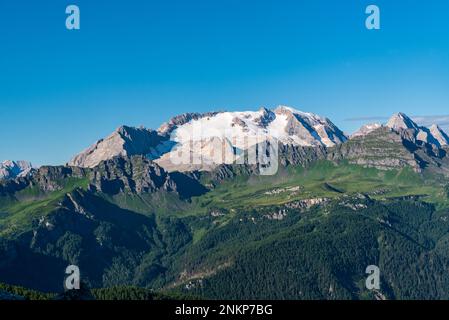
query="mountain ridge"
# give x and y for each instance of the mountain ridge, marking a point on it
(128, 221)
(228, 129)
(229, 132)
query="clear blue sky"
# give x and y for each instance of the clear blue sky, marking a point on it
(143, 61)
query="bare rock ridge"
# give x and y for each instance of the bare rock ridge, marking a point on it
(121, 174)
(308, 129)
(439, 135)
(400, 143)
(140, 175)
(125, 141)
(405, 125)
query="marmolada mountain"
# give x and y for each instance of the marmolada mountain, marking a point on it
(134, 218)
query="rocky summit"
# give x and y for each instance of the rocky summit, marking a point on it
(400, 122)
(125, 141)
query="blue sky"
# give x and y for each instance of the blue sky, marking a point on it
(140, 62)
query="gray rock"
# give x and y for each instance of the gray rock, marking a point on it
(125, 141)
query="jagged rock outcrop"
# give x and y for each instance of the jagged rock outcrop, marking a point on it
(308, 129)
(383, 149)
(386, 148)
(136, 174)
(404, 125)
(49, 178)
(439, 135)
(46, 179)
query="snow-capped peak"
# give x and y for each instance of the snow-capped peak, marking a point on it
(12, 169)
(286, 124)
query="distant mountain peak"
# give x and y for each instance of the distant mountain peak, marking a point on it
(433, 135)
(400, 121)
(12, 169)
(366, 129)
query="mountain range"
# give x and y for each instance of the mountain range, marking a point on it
(128, 216)
(233, 133)
(230, 132)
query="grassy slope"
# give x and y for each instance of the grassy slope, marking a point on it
(324, 179)
(18, 215)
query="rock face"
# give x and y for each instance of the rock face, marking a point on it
(135, 174)
(408, 128)
(439, 135)
(387, 149)
(46, 179)
(300, 156)
(401, 121)
(141, 175)
(13, 169)
(382, 149)
(125, 141)
(307, 129)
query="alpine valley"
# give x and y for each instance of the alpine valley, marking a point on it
(140, 226)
